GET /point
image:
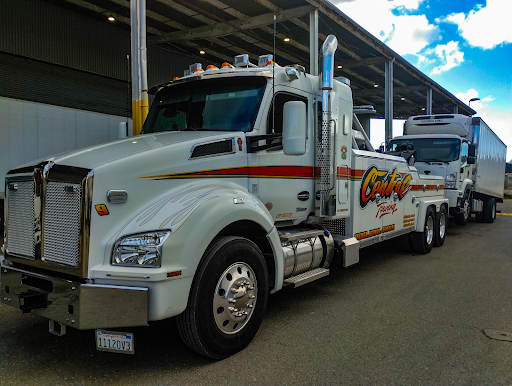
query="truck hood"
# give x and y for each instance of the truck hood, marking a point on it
(433, 170)
(117, 150)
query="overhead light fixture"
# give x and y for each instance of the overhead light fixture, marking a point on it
(423, 108)
(375, 85)
(286, 39)
(473, 100)
(202, 52)
(402, 99)
(340, 66)
(111, 18)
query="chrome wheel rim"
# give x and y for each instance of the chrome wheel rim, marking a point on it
(235, 298)
(466, 209)
(429, 229)
(442, 225)
(493, 211)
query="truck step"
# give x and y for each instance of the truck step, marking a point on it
(306, 277)
(301, 235)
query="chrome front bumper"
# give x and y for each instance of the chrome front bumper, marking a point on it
(81, 306)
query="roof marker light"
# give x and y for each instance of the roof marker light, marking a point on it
(211, 67)
(226, 64)
(264, 59)
(175, 78)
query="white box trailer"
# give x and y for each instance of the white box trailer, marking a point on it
(30, 131)
(491, 155)
(467, 153)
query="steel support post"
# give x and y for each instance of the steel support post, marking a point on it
(313, 42)
(455, 109)
(388, 101)
(429, 101)
(140, 104)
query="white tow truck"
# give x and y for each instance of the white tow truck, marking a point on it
(466, 153)
(245, 179)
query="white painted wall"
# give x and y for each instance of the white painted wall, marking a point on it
(30, 131)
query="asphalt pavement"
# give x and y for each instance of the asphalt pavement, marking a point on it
(396, 318)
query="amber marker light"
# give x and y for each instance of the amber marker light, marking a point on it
(225, 64)
(175, 78)
(174, 274)
(270, 62)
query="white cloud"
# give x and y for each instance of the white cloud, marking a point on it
(479, 106)
(486, 27)
(405, 34)
(450, 55)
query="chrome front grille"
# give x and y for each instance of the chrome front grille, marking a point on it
(20, 219)
(61, 227)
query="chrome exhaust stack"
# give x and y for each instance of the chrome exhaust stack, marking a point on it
(324, 157)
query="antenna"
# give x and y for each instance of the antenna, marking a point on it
(273, 79)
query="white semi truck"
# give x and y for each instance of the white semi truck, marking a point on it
(245, 179)
(30, 130)
(466, 153)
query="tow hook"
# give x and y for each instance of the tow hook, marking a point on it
(32, 300)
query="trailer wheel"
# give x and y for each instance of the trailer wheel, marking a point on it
(440, 228)
(227, 300)
(462, 218)
(489, 210)
(424, 241)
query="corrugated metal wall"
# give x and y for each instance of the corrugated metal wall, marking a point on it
(52, 55)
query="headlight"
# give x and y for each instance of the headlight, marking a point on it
(450, 180)
(142, 250)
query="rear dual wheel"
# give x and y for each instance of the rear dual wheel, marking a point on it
(424, 241)
(227, 300)
(440, 226)
(489, 210)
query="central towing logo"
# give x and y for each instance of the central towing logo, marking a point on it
(384, 183)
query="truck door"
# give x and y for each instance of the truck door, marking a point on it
(285, 183)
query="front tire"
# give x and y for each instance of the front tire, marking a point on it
(424, 241)
(228, 299)
(441, 226)
(462, 218)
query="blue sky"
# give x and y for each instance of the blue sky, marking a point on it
(464, 45)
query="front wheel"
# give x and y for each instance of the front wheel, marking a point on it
(424, 241)
(441, 225)
(462, 218)
(228, 299)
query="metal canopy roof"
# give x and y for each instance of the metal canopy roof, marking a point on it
(227, 28)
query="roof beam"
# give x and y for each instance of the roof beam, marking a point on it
(363, 62)
(396, 90)
(227, 28)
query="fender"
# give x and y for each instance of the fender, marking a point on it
(422, 210)
(467, 184)
(195, 214)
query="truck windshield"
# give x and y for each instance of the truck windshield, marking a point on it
(430, 149)
(225, 104)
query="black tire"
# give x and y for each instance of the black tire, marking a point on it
(214, 324)
(441, 226)
(489, 210)
(479, 217)
(462, 218)
(424, 241)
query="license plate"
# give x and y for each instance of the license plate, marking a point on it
(120, 342)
